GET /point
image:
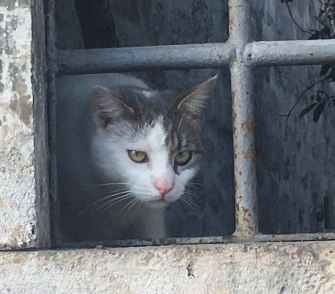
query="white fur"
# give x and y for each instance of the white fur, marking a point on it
(147, 93)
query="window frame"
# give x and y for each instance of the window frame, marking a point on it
(241, 54)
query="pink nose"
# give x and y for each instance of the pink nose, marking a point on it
(163, 186)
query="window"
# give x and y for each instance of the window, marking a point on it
(244, 59)
(26, 261)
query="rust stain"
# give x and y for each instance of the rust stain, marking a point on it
(251, 98)
(1, 203)
(234, 115)
(233, 93)
(246, 214)
(247, 125)
(231, 22)
(240, 173)
(43, 256)
(246, 154)
(22, 108)
(20, 258)
(244, 125)
(249, 227)
(230, 238)
(255, 207)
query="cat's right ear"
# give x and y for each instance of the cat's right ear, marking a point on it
(107, 106)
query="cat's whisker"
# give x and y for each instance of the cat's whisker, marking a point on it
(131, 203)
(109, 204)
(194, 183)
(113, 202)
(134, 200)
(192, 193)
(108, 193)
(104, 185)
(104, 207)
(143, 190)
(182, 200)
(131, 206)
(137, 201)
(98, 212)
(101, 199)
(190, 203)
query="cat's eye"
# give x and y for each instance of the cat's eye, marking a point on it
(137, 156)
(183, 158)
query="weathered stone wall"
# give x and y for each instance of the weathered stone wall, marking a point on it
(19, 201)
(232, 269)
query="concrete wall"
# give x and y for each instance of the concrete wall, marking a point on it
(234, 269)
(16, 128)
(20, 70)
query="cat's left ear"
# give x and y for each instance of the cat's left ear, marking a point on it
(107, 106)
(194, 100)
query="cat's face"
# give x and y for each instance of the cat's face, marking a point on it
(149, 141)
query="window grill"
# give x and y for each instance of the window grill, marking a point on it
(241, 54)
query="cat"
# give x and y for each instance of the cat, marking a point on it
(124, 153)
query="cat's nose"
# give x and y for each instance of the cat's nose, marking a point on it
(163, 186)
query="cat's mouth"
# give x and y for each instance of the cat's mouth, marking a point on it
(157, 203)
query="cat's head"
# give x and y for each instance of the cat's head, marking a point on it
(149, 141)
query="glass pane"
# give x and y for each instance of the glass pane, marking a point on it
(113, 23)
(295, 148)
(291, 20)
(87, 213)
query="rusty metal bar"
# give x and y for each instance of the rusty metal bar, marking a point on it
(145, 58)
(52, 123)
(216, 55)
(243, 123)
(203, 240)
(299, 52)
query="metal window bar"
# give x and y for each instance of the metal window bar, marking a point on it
(241, 54)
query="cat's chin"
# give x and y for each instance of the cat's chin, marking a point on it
(156, 204)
